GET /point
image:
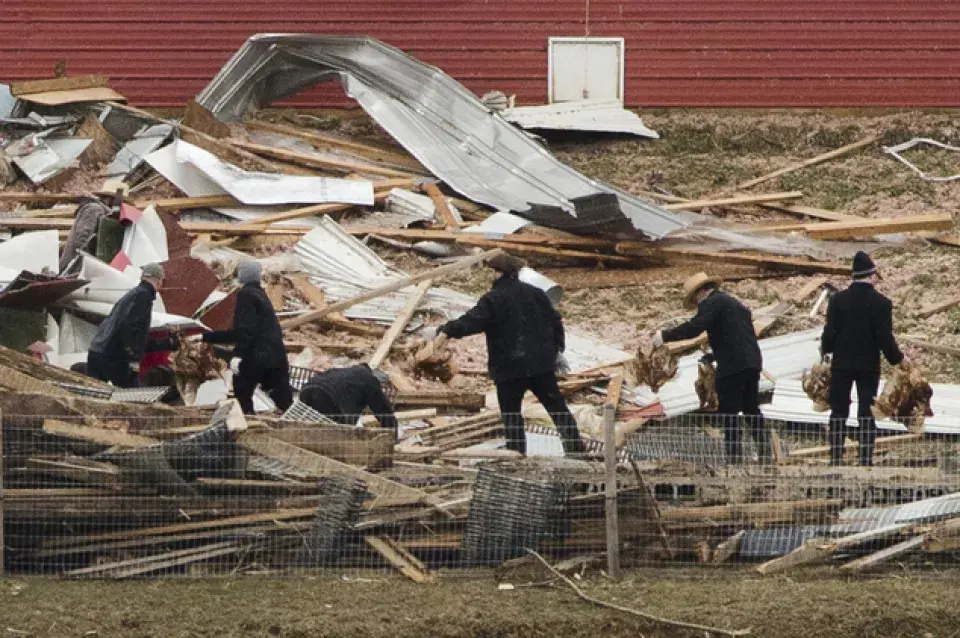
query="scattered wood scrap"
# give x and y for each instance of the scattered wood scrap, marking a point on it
(404, 561)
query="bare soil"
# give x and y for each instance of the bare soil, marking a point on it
(810, 603)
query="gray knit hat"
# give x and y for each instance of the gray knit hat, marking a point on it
(249, 272)
(152, 270)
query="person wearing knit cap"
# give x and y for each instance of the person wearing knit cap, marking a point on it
(859, 328)
(525, 343)
(258, 343)
(123, 337)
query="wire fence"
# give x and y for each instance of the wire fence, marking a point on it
(206, 495)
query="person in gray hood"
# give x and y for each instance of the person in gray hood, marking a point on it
(123, 337)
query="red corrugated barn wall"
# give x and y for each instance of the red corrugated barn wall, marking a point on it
(678, 52)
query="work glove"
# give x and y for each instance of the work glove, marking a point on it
(430, 333)
(235, 365)
(135, 366)
(562, 367)
(658, 339)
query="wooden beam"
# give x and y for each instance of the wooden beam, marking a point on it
(189, 203)
(903, 547)
(820, 549)
(404, 561)
(27, 197)
(79, 469)
(932, 347)
(72, 83)
(934, 309)
(736, 200)
(809, 211)
(864, 227)
(444, 235)
(441, 205)
(317, 299)
(406, 415)
(881, 443)
(319, 466)
(399, 324)
(545, 251)
(728, 548)
(783, 511)
(315, 161)
(145, 560)
(99, 436)
(384, 156)
(759, 261)
(435, 274)
(819, 159)
(218, 228)
(614, 389)
(441, 398)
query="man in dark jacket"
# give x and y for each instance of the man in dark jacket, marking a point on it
(525, 343)
(258, 343)
(342, 394)
(122, 338)
(729, 327)
(859, 327)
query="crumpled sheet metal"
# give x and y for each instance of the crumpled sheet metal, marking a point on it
(440, 122)
(600, 116)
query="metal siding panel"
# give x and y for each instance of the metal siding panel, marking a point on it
(750, 53)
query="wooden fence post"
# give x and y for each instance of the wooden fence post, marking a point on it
(610, 459)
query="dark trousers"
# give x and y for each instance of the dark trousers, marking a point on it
(274, 381)
(545, 388)
(738, 393)
(326, 405)
(841, 382)
(112, 370)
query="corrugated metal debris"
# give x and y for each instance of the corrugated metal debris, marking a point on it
(602, 116)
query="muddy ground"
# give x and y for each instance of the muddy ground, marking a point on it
(807, 604)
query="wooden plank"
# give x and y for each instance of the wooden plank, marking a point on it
(316, 298)
(777, 444)
(400, 558)
(434, 274)
(441, 398)
(819, 159)
(819, 549)
(728, 548)
(615, 389)
(27, 197)
(275, 295)
(476, 239)
(59, 98)
(314, 161)
(934, 309)
(736, 200)
(759, 261)
(27, 87)
(252, 484)
(82, 470)
(176, 562)
(321, 466)
(171, 204)
(106, 567)
(100, 436)
(406, 415)
(864, 227)
(384, 156)
(443, 235)
(440, 203)
(364, 447)
(932, 347)
(233, 521)
(881, 443)
(903, 547)
(466, 453)
(809, 211)
(220, 228)
(399, 324)
(783, 511)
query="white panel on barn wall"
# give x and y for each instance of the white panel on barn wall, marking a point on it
(585, 69)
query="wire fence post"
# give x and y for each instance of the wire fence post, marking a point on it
(2, 539)
(610, 460)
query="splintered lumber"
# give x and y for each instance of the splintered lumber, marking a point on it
(404, 561)
(78, 469)
(406, 415)
(934, 309)
(322, 163)
(820, 549)
(614, 389)
(809, 211)
(146, 560)
(72, 83)
(778, 512)
(728, 548)
(865, 227)
(759, 261)
(933, 347)
(26, 197)
(319, 466)
(440, 203)
(366, 447)
(434, 274)
(441, 398)
(99, 436)
(249, 485)
(399, 324)
(315, 297)
(443, 235)
(383, 156)
(476, 239)
(819, 159)
(881, 443)
(734, 201)
(903, 547)
(234, 521)
(189, 203)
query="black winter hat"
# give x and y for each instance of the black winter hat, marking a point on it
(863, 266)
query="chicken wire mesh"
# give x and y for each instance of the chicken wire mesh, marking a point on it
(207, 495)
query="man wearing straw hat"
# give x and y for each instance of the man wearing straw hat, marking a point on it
(859, 327)
(729, 327)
